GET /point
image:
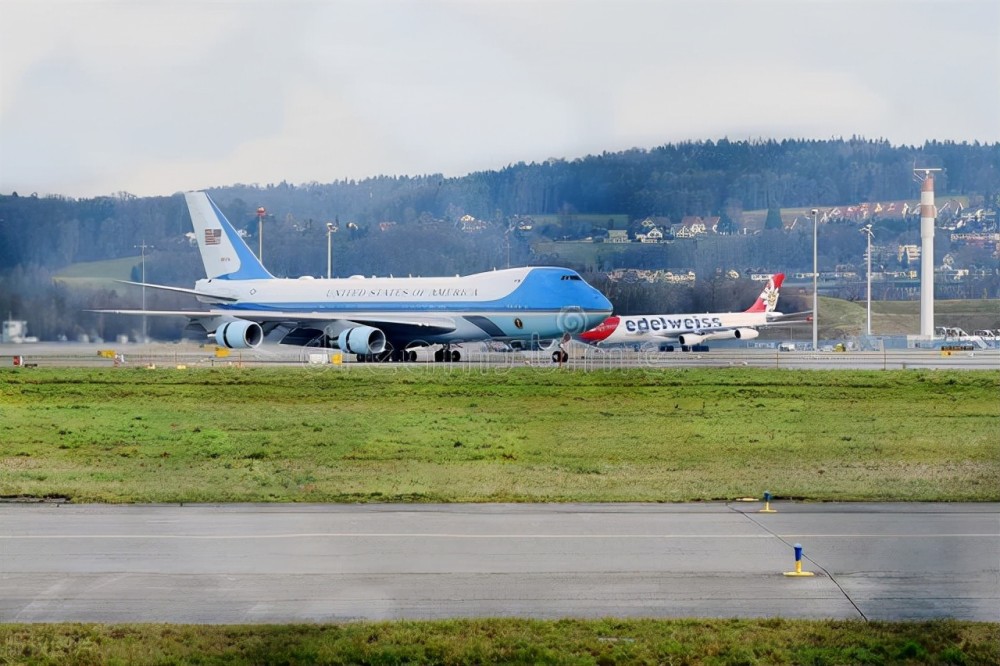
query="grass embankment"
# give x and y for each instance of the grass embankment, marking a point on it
(98, 273)
(770, 642)
(429, 434)
(840, 318)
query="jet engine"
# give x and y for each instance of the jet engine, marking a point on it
(722, 335)
(688, 339)
(362, 340)
(746, 333)
(738, 333)
(239, 334)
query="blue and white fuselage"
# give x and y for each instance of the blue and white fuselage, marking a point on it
(377, 316)
(511, 304)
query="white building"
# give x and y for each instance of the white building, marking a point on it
(654, 235)
(13, 331)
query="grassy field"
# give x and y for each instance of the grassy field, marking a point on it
(426, 434)
(969, 314)
(598, 220)
(587, 253)
(841, 319)
(692, 642)
(98, 273)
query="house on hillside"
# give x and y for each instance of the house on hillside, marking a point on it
(654, 235)
(617, 236)
(679, 278)
(689, 227)
(865, 210)
(911, 252)
(469, 223)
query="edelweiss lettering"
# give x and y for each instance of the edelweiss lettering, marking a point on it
(662, 324)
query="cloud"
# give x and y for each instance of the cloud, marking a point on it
(152, 97)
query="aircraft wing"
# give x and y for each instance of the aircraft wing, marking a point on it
(403, 326)
(181, 290)
(776, 317)
(160, 313)
(398, 323)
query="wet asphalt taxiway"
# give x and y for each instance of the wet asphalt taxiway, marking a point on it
(318, 563)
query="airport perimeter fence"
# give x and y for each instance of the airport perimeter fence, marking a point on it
(580, 359)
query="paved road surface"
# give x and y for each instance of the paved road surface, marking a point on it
(316, 563)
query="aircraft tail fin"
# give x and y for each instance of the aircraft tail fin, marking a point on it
(223, 252)
(768, 299)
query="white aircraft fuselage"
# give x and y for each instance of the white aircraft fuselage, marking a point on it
(377, 318)
(690, 329)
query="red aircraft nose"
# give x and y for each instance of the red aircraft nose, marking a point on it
(601, 331)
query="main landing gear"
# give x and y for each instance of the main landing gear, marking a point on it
(447, 355)
(443, 355)
(560, 355)
(388, 356)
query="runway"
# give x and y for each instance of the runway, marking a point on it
(321, 563)
(189, 356)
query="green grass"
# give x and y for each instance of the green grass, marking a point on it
(508, 641)
(98, 273)
(526, 435)
(598, 220)
(840, 318)
(379, 433)
(587, 253)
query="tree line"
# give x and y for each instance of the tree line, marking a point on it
(404, 225)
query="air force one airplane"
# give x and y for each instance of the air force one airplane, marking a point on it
(377, 319)
(693, 329)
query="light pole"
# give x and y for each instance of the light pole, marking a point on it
(867, 230)
(260, 233)
(506, 242)
(815, 315)
(331, 229)
(142, 248)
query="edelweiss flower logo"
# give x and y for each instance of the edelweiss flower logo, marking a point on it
(771, 297)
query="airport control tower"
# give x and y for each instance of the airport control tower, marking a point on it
(927, 214)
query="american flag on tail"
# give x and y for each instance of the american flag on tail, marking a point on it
(213, 236)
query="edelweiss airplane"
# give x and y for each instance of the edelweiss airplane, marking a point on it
(377, 319)
(692, 329)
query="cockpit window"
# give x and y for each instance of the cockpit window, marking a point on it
(571, 277)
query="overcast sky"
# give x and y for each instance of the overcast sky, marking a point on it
(156, 96)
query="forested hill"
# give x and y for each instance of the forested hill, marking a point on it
(704, 178)
(697, 178)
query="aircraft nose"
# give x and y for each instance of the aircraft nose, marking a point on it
(602, 303)
(600, 307)
(601, 331)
